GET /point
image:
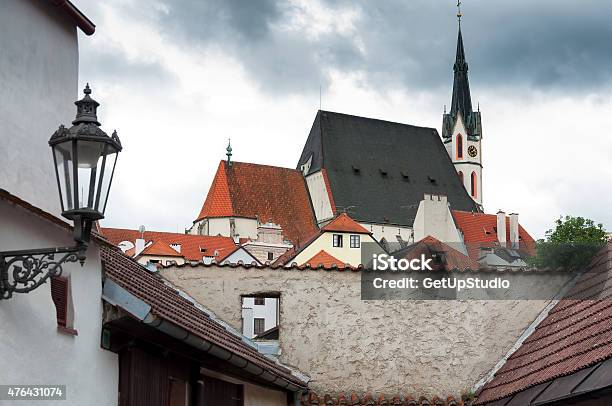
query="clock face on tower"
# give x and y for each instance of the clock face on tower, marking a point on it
(472, 151)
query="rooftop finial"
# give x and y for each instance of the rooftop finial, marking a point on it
(87, 90)
(459, 13)
(86, 108)
(229, 151)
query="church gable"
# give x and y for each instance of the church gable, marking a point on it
(380, 170)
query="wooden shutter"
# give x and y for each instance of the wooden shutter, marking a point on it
(59, 294)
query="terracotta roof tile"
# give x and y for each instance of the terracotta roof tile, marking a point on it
(193, 247)
(453, 259)
(323, 258)
(343, 223)
(479, 230)
(169, 305)
(268, 193)
(311, 399)
(160, 248)
(218, 202)
(574, 335)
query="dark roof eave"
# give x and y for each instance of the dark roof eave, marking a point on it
(80, 19)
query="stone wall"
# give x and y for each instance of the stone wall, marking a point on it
(345, 344)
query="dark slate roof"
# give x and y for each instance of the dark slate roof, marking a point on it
(382, 168)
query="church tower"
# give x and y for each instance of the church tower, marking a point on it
(462, 128)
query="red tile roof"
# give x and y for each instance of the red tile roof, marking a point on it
(325, 259)
(160, 248)
(169, 305)
(343, 223)
(268, 193)
(479, 230)
(193, 247)
(311, 399)
(574, 335)
(454, 259)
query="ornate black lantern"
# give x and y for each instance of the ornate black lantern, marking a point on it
(85, 158)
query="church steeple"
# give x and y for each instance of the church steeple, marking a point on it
(461, 126)
(462, 100)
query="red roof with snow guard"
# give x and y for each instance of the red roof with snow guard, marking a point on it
(564, 356)
(268, 193)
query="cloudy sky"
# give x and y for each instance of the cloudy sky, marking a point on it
(177, 78)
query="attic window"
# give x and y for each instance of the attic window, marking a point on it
(383, 172)
(431, 180)
(356, 169)
(405, 176)
(202, 250)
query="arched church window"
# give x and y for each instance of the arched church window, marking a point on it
(460, 176)
(459, 146)
(474, 185)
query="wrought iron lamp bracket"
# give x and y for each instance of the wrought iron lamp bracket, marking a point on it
(25, 270)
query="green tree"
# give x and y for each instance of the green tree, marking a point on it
(571, 244)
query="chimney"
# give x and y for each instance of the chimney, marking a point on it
(501, 228)
(514, 230)
(140, 246)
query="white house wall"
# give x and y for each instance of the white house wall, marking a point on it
(319, 196)
(268, 312)
(244, 227)
(345, 254)
(38, 83)
(31, 348)
(389, 232)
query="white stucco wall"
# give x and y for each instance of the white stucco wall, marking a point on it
(347, 344)
(319, 196)
(38, 84)
(389, 232)
(433, 218)
(31, 348)
(244, 227)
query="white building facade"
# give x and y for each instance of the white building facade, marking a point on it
(38, 84)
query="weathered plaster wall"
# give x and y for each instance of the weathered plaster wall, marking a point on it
(346, 344)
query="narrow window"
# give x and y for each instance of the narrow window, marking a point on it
(270, 256)
(474, 189)
(59, 294)
(460, 176)
(459, 146)
(337, 240)
(260, 301)
(355, 243)
(259, 325)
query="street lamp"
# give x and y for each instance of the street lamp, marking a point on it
(85, 158)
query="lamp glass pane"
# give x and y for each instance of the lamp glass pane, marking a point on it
(107, 178)
(65, 175)
(88, 156)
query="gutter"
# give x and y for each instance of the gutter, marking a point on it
(118, 296)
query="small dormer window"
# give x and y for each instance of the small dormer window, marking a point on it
(356, 169)
(405, 176)
(337, 240)
(383, 172)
